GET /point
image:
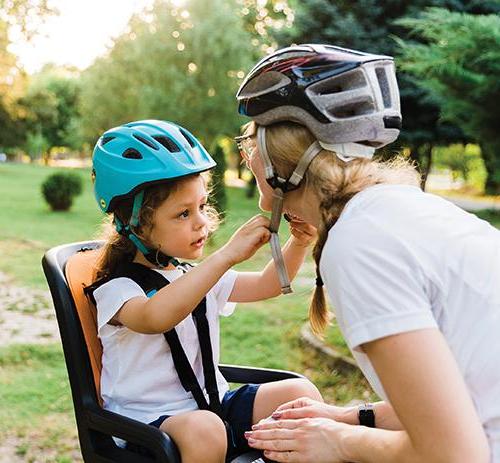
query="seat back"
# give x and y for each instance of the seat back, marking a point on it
(80, 272)
(76, 321)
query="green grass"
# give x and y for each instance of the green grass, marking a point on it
(33, 382)
(491, 215)
(27, 226)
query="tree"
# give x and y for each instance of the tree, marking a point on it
(218, 195)
(371, 25)
(50, 105)
(459, 65)
(180, 64)
(24, 17)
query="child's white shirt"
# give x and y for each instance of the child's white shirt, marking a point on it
(138, 377)
(399, 260)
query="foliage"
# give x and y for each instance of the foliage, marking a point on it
(50, 106)
(218, 194)
(36, 145)
(464, 161)
(174, 63)
(27, 15)
(459, 64)
(22, 17)
(371, 25)
(60, 189)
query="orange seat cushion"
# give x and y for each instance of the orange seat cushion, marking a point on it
(80, 272)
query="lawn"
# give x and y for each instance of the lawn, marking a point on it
(34, 392)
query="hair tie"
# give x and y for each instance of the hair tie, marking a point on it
(319, 281)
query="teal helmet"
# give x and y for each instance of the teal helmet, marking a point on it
(133, 156)
(129, 158)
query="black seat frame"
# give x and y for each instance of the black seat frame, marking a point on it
(96, 426)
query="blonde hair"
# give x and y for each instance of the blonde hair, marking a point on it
(334, 182)
(118, 249)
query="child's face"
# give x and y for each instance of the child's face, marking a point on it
(180, 224)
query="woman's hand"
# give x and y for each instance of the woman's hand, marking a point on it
(247, 240)
(303, 233)
(305, 407)
(309, 439)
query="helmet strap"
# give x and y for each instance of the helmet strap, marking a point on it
(349, 151)
(154, 256)
(280, 187)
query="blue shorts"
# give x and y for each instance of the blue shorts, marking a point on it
(237, 411)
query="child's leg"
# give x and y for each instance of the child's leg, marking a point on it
(271, 395)
(200, 436)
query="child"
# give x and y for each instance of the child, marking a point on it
(148, 175)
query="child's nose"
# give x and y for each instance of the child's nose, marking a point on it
(202, 220)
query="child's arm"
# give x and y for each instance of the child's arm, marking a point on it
(256, 286)
(173, 303)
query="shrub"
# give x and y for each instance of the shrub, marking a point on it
(60, 189)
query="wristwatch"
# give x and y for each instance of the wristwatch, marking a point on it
(366, 415)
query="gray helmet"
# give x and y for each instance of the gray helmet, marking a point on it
(348, 99)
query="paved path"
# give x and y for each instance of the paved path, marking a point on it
(472, 205)
(26, 315)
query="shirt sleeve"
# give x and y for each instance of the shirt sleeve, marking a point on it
(111, 296)
(221, 292)
(375, 282)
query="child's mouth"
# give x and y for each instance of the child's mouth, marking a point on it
(200, 242)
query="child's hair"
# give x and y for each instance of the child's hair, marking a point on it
(333, 181)
(118, 249)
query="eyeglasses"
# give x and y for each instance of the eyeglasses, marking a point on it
(245, 145)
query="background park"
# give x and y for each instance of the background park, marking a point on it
(182, 60)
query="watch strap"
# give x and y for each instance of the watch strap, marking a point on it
(366, 415)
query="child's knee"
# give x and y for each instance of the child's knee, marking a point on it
(205, 434)
(302, 387)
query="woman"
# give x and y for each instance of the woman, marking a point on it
(414, 281)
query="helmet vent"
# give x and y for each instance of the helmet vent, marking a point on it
(107, 139)
(353, 109)
(145, 141)
(188, 138)
(337, 84)
(168, 143)
(384, 86)
(132, 153)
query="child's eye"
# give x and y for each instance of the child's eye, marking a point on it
(184, 214)
(203, 207)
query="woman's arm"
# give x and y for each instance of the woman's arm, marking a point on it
(174, 302)
(429, 396)
(257, 286)
(308, 408)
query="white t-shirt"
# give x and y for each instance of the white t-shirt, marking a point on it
(138, 377)
(399, 260)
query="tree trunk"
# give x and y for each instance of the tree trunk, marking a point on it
(490, 153)
(422, 156)
(425, 170)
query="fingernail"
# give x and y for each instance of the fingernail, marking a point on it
(276, 415)
(251, 441)
(248, 434)
(255, 427)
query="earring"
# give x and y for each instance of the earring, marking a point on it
(157, 255)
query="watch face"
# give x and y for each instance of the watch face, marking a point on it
(366, 415)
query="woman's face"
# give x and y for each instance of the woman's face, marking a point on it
(255, 164)
(297, 203)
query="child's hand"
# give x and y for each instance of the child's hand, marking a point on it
(303, 233)
(247, 239)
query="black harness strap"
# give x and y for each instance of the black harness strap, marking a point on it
(150, 280)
